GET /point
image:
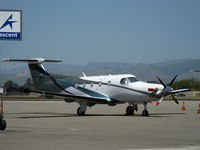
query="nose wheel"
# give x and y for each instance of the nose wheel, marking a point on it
(145, 112)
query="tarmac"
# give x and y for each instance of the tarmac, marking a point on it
(54, 125)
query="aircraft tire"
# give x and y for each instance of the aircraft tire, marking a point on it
(79, 112)
(3, 124)
(129, 111)
(145, 113)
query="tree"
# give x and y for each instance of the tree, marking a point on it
(28, 83)
(7, 86)
(190, 83)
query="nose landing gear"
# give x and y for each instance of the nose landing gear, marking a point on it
(145, 111)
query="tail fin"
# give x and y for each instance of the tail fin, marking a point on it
(36, 68)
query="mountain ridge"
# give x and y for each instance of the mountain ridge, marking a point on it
(147, 72)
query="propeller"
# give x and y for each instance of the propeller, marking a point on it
(175, 100)
(161, 81)
(167, 89)
(170, 84)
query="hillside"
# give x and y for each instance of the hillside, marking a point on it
(147, 72)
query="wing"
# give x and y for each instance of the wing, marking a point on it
(102, 100)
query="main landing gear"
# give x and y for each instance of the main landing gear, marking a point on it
(131, 108)
(81, 110)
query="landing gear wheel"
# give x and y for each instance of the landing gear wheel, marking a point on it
(2, 124)
(80, 113)
(145, 113)
(129, 111)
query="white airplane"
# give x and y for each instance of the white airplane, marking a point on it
(91, 90)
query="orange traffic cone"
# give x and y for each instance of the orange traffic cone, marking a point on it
(198, 111)
(183, 106)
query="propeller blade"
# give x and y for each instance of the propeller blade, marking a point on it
(172, 80)
(161, 81)
(175, 100)
(179, 90)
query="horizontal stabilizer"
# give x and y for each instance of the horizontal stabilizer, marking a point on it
(31, 60)
(195, 70)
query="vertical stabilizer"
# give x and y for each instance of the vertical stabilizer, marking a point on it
(38, 72)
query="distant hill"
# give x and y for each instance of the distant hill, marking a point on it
(147, 72)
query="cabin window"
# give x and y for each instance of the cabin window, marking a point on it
(84, 85)
(91, 84)
(109, 82)
(100, 83)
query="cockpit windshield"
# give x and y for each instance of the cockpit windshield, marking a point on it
(132, 79)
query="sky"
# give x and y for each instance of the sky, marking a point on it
(84, 31)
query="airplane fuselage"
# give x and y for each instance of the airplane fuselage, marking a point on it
(121, 88)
